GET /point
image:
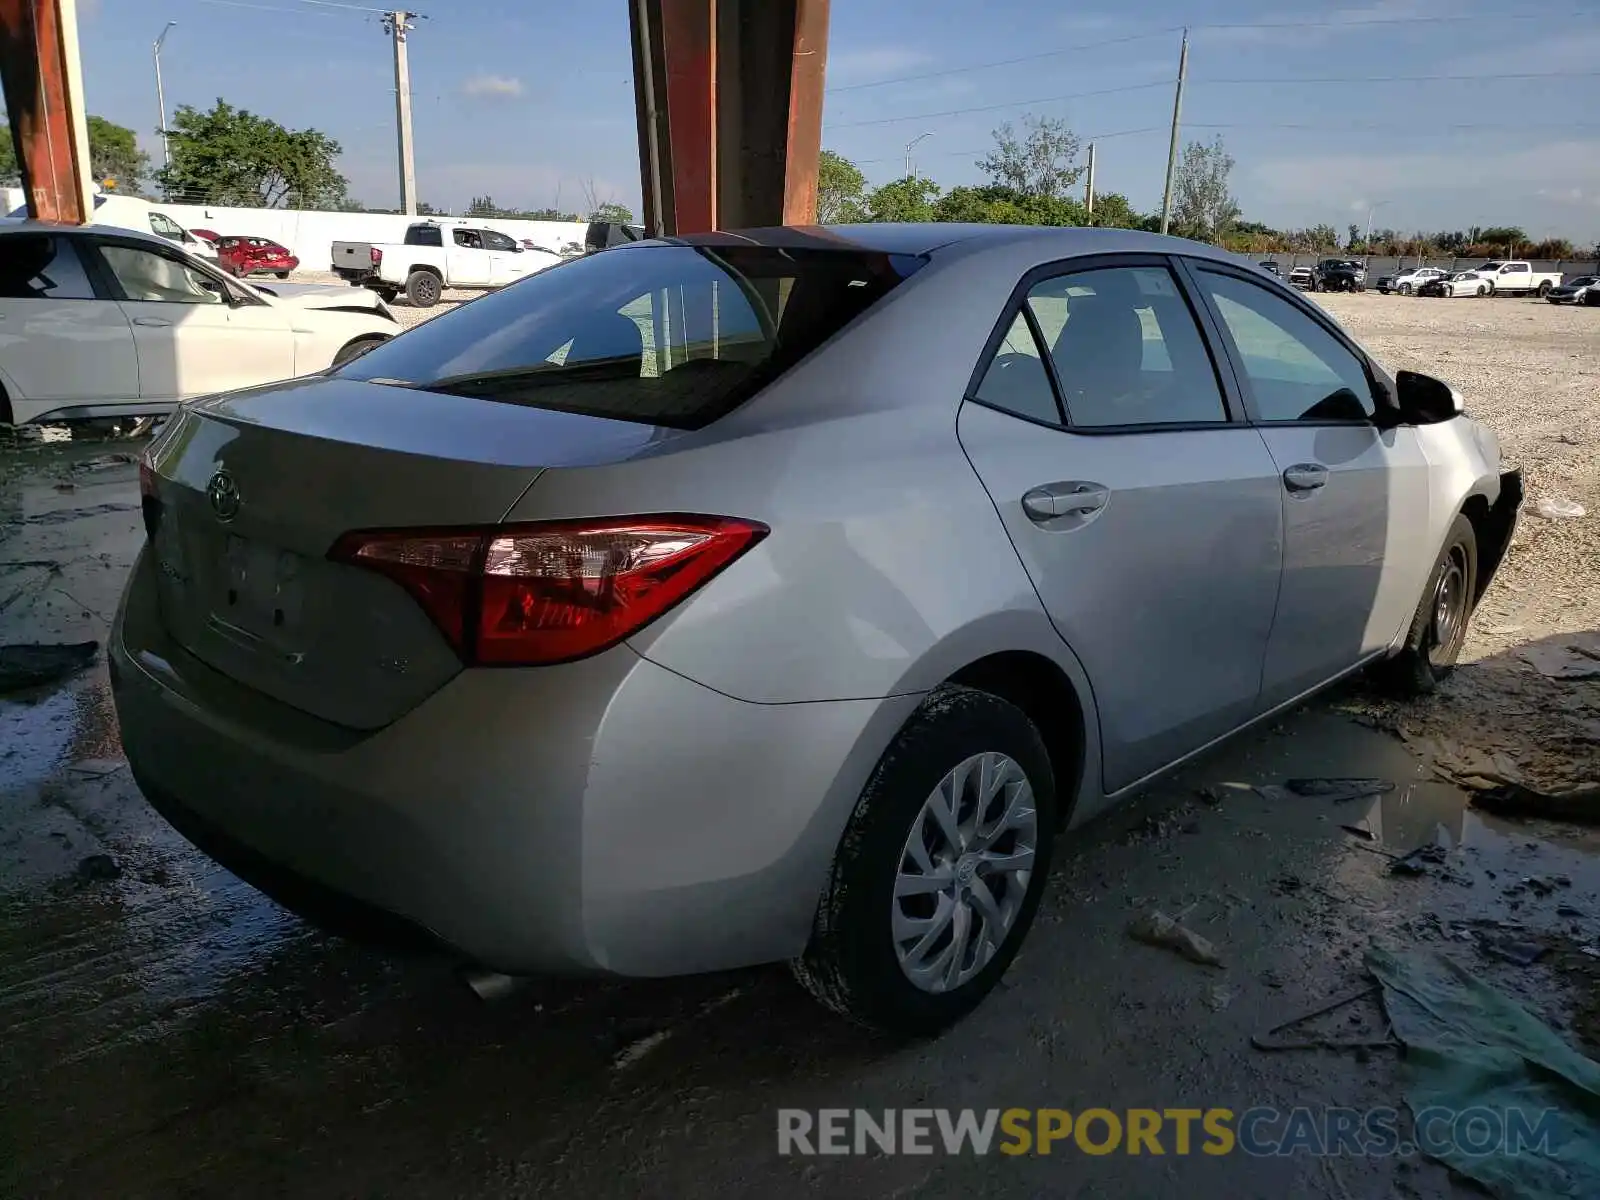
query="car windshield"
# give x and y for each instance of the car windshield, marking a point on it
(1490, 266)
(1584, 281)
(668, 335)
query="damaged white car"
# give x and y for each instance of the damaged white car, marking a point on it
(108, 323)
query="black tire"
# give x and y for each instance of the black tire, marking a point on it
(1544, 289)
(387, 294)
(358, 347)
(1427, 658)
(851, 965)
(1405, 289)
(423, 289)
(1487, 289)
(281, 274)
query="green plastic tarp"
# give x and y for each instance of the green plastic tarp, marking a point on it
(1469, 1047)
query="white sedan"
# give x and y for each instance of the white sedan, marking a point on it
(1463, 283)
(98, 322)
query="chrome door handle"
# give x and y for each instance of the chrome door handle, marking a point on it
(1064, 500)
(157, 322)
(1305, 477)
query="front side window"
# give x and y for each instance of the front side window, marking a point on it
(1296, 369)
(36, 266)
(1126, 349)
(166, 227)
(469, 238)
(148, 276)
(1016, 380)
(662, 335)
(497, 241)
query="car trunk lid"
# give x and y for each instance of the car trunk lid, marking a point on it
(247, 493)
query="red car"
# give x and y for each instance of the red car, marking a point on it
(243, 256)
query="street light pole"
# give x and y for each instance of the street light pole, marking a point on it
(161, 98)
(1366, 242)
(911, 145)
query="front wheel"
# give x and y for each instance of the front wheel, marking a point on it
(281, 274)
(940, 868)
(1405, 289)
(1439, 628)
(356, 348)
(424, 288)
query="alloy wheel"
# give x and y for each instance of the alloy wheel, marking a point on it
(963, 872)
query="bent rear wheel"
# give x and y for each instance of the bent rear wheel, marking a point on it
(1439, 628)
(940, 868)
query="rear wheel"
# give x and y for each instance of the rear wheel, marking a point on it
(356, 348)
(1439, 628)
(281, 274)
(1544, 289)
(1484, 289)
(1405, 289)
(424, 288)
(940, 869)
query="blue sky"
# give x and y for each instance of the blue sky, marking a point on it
(534, 103)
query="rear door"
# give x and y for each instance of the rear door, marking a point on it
(1146, 513)
(193, 333)
(1355, 497)
(62, 341)
(467, 262)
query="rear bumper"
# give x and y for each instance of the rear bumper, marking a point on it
(602, 816)
(355, 276)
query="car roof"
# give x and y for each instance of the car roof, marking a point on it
(934, 238)
(60, 228)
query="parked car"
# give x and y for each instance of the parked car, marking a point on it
(130, 212)
(1462, 283)
(209, 235)
(602, 235)
(434, 257)
(1302, 277)
(1515, 277)
(577, 649)
(1339, 275)
(242, 256)
(1409, 280)
(1271, 267)
(97, 322)
(1574, 291)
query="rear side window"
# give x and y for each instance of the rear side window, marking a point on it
(661, 335)
(39, 267)
(166, 227)
(1126, 349)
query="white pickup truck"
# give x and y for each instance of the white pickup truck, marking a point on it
(434, 257)
(1516, 277)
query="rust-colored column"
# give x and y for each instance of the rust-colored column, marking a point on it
(729, 97)
(43, 92)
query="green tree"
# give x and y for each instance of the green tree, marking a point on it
(114, 154)
(230, 156)
(1112, 210)
(484, 206)
(841, 190)
(617, 214)
(9, 173)
(550, 214)
(1042, 161)
(908, 199)
(1202, 205)
(1353, 242)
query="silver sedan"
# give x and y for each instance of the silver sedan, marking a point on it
(778, 596)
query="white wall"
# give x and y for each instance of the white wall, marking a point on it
(310, 235)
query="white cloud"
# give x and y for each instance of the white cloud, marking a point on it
(496, 87)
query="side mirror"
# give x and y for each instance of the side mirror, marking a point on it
(1424, 400)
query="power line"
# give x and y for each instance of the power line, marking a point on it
(1009, 62)
(956, 112)
(1411, 78)
(1093, 137)
(1370, 127)
(299, 12)
(362, 8)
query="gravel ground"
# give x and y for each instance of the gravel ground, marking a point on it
(1531, 371)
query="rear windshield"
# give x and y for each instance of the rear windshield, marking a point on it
(662, 335)
(424, 235)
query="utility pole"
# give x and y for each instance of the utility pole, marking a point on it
(398, 24)
(911, 170)
(1177, 116)
(1088, 187)
(161, 98)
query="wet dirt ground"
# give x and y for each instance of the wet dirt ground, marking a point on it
(166, 1031)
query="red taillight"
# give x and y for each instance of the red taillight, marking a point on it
(147, 478)
(377, 256)
(554, 591)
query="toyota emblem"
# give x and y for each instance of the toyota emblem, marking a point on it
(223, 493)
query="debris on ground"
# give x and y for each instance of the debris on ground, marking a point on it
(1430, 858)
(1579, 805)
(1556, 508)
(1539, 885)
(1470, 1047)
(1508, 947)
(1361, 831)
(99, 868)
(1338, 790)
(1465, 766)
(1574, 657)
(1155, 928)
(28, 665)
(1288, 1035)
